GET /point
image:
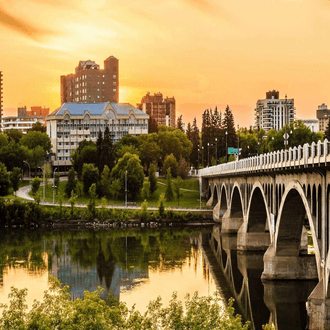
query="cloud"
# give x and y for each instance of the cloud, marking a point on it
(21, 26)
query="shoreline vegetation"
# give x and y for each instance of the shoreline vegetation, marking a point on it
(17, 213)
(58, 310)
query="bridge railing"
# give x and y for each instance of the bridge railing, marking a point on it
(315, 154)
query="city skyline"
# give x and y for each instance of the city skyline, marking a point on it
(204, 53)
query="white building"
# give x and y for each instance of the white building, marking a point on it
(75, 122)
(22, 124)
(273, 112)
(313, 124)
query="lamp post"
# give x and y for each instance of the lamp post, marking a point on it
(208, 154)
(29, 168)
(216, 151)
(198, 158)
(126, 188)
(203, 156)
(226, 146)
(54, 187)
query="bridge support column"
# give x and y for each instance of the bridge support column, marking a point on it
(318, 308)
(255, 241)
(285, 301)
(216, 212)
(288, 267)
(230, 224)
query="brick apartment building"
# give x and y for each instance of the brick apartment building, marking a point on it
(34, 112)
(89, 83)
(160, 109)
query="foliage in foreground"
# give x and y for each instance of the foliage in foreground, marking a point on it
(58, 311)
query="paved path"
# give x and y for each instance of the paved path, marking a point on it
(23, 192)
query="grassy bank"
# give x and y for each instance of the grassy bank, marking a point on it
(189, 195)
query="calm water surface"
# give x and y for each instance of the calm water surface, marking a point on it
(138, 265)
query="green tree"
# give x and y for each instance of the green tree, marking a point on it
(135, 176)
(86, 153)
(15, 177)
(35, 184)
(169, 189)
(14, 135)
(179, 123)
(177, 183)
(71, 183)
(4, 180)
(38, 127)
(91, 205)
(170, 163)
(105, 181)
(327, 131)
(90, 175)
(152, 178)
(183, 169)
(106, 157)
(149, 149)
(144, 211)
(161, 207)
(57, 182)
(72, 201)
(79, 189)
(145, 193)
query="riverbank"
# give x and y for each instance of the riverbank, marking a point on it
(18, 213)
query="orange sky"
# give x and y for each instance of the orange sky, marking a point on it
(202, 52)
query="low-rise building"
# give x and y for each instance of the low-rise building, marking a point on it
(313, 124)
(22, 124)
(75, 122)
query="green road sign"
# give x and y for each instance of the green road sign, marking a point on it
(233, 151)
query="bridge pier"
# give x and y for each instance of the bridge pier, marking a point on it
(288, 267)
(252, 241)
(230, 224)
(318, 308)
(286, 303)
(216, 212)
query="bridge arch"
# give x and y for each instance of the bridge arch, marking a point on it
(293, 208)
(236, 204)
(223, 200)
(258, 215)
(215, 198)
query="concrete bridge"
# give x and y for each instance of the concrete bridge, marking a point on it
(276, 203)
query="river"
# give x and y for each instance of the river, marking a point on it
(138, 265)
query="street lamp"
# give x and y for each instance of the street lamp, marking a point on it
(29, 168)
(216, 151)
(203, 156)
(198, 158)
(226, 146)
(126, 188)
(54, 187)
(208, 154)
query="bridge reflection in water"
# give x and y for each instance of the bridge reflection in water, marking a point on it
(238, 275)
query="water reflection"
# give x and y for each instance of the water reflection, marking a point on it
(128, 263)
(282, 303)
(139, 265)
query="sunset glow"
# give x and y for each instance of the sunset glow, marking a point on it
(205, 53)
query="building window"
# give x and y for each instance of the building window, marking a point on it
(114, 83)
(114, 76)
(114, 90)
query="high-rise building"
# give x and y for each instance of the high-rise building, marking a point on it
(323, 115)
(89, 83)
(160, 109)
(0, 101)
(273, 112)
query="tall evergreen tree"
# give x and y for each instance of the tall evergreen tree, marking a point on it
(179, 123)
(229, 129)
(195, 140)
(327, 131)
(107, 156)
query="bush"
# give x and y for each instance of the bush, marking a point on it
(144, 212)
(161, 207)
(35, 184)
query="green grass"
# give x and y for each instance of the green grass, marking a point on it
(187, 199)
(11, 190)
